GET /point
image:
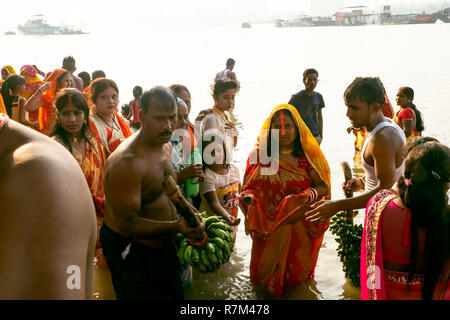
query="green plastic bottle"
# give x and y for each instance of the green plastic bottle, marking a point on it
(191, 185)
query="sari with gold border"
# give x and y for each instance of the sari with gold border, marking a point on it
(283, 254)
(378, 283)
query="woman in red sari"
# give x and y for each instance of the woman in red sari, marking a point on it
(285, 247)
(408, 117)
(106, 123)
(43, 98)
(405, 248)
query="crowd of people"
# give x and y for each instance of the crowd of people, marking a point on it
(115, 214)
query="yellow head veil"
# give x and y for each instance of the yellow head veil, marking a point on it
(309, 144)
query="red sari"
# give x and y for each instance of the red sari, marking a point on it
(283, 254)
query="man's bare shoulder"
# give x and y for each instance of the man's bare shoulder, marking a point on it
(387, 137)
(127, 159)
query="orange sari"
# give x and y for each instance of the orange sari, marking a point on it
(92, 163)
(2, 105)
(32, 84)
(47, 113)
(283, 254)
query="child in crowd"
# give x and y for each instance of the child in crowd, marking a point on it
(220, 187)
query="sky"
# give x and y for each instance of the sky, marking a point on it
(114, 13)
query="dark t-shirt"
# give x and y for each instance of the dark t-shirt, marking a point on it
(308, 107)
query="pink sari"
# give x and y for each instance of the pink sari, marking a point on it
(376, 282)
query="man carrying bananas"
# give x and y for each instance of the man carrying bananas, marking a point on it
(138, 234)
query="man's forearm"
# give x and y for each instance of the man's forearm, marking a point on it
(358, 202)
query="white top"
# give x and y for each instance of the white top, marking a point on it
(371, 179)
(226, 186)
(222, 74)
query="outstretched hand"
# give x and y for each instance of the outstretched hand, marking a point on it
(322, 211)
(232, 220)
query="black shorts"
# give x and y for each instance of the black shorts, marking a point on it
(146, 273)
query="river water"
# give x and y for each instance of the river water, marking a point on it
(269, 65)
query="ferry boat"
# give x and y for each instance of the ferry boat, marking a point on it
(38, 26)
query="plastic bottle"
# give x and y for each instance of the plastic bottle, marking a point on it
(191, 185)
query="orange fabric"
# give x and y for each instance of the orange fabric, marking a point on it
(126, 131)
(283, 254)
(32, 84)
(193, 135)
(47, 113)
(2, 105)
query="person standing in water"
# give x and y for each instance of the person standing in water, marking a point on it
(381, 155)
(138, 232)
(309, 104)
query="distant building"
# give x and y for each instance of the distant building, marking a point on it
(355, 16)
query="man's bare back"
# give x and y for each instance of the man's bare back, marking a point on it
(47, 219)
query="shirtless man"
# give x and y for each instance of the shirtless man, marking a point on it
(69, 65)
(140, 221)
(47, 219)
(228, 72)
(381, 154)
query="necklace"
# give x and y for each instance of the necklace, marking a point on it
(77, 140)
(114, 126)
(287, 151)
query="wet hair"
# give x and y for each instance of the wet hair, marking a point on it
(8, 86)
(98, 74)
(222, 85)
(428, 167)
(98, 86)
(86, 77)
(409, 93)
(298, 150)
(369, 90)
(76, 98)
(307, 72)
(230, 62)
(160, 94)
(137, 89)
(69, 63)
(177, 88)
(414, 142)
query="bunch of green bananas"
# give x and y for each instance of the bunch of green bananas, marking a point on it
(349, 238)
(215, 251)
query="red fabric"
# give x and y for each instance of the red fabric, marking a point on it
(406, 114)
(135, 105)
(386, 108)
(282, 254)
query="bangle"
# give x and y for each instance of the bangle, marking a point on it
(313, 195)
